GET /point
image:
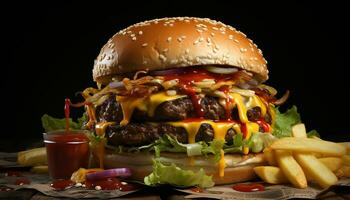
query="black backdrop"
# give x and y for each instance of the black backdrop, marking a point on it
(52, 48)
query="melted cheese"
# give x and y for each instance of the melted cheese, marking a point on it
(222, 163)
(148, 104)
(101, 128)
(255, 101)
(242, 109)
(90, 109)
(220, 129)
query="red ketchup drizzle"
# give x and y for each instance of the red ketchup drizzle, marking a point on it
(263, 124)
(61, 184)
(22, 181)
(188, 76)
(244, 130)
(67, 112)
(13, 173)
(229, 103)
(253, 187)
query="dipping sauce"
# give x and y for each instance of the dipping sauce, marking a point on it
(61, 184)
(66, 152)
(22, 181)
(252, 187)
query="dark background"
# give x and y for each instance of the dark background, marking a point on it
(50, 50)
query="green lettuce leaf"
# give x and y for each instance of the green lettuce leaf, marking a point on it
(50, 123)
(284, 122)
(173, 175)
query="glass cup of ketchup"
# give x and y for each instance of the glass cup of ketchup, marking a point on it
(67, 151)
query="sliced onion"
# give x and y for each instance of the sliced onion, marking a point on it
(282, 99)
(109, 173)
(116, 84)
(168, 72)
(194, 149)
(247, 93)
(221, 70)
(271, 90)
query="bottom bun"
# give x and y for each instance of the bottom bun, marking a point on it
(238, 167)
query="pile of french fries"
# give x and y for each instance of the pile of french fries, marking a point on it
(35, 158)
(299, 160)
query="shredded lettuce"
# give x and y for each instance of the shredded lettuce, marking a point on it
(173, 175)
(50, 123)
(284, 122)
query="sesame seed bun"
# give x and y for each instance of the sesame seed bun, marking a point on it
(177, 42)
(238, 168)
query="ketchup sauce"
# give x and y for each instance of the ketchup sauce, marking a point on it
(22, 181)
(111, 184)
(190, 75)
(67, 150)
(61, 184)
(251, 187)
(263, 124)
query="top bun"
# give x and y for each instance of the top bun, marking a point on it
(177, 42)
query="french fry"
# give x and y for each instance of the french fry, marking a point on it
(333, 163)
(290, 168)
(316, 170)
(269, 174)
(270, 156)
(309, 145)
(33, 157)
(41, 169)
(343, 171)
(346, 160)
(347, 146)
(299, 131)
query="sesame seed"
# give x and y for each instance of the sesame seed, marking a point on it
(187, 51)
(212, 34)
(97, 187)
(169, 39)
(171, 25)
(134, 38)
(132, 35)
(195, 42)
(113, 50)
(208, 40)
(199, 31)
(144, 44)
(165, 50)
(201, 39)
(140, 32)
(162, 57)
(128, 32)
(230, 37)
(215, 28)
(236, 40)
(223, 32)
(186, 20)
(179, 39)
(243, 50)
(183, 37)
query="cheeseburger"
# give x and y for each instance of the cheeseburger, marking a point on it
(180, 101)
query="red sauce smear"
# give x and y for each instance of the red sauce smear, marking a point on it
(244, 130)
(263, 124)
(229, 103)
(61, 184)
(67, 112)
(22, 181)
(253, 187)
(110, 184)
(5, 189)
(13, 173)
(190, 75)
(197, 189)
